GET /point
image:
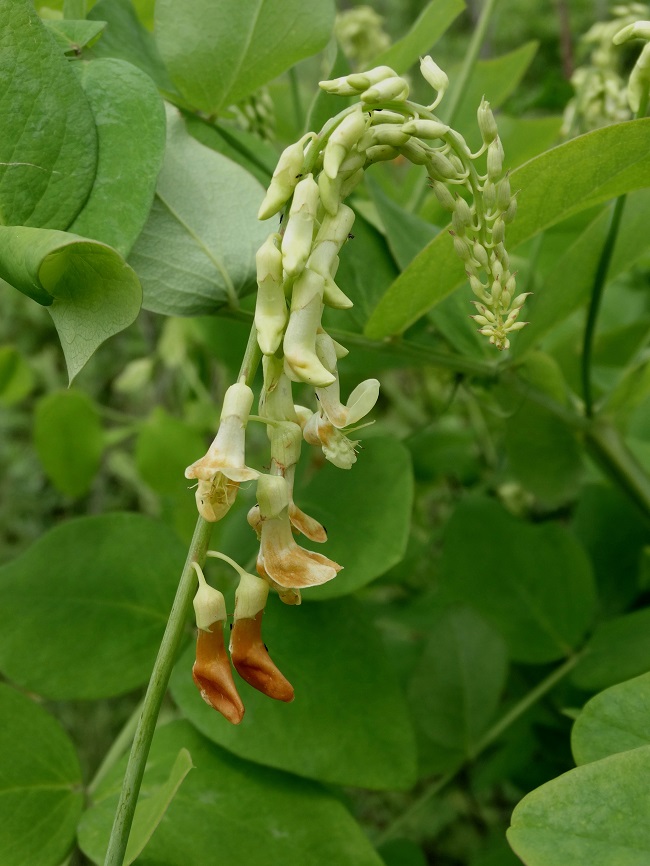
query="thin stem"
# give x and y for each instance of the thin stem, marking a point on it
(614, 457)
(118, 747)
(164, 663)
(488, 738)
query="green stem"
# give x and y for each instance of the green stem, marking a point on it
(164, 663)
(456, 93)
(118, 747)
(488, 738)
(614, 457)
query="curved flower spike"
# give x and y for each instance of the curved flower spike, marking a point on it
(226, 453)
(284, 561)
(211, 671)
(249, 655)
(361, 400)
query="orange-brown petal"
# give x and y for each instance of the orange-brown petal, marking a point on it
(252, 661)
(212, 674)
(309, 526)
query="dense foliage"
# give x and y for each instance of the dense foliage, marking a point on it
(481, 664)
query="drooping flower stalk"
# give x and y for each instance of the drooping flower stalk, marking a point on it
(296, 273)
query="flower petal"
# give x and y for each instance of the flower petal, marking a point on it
(252, 661)
(213, 676)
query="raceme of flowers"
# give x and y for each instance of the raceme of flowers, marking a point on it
(296, 273)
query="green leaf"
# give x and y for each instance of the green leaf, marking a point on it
(534, 583)
(16, 377)
(613, 721)
(367, 512)
(83, 610)
(249, 814)
(151, 810)
(456, 686)
(127, 109)
(198, 247)
(402, 852)
(569, 178)
(618, 650)
(41, 796)
(426, 30)
(595, 814)
(526, 137)
(217, 53)
(48, 149)
(69, 440)
(91, 292)
(126, 39)
(348, 724)
(74, 36)
(568, 285)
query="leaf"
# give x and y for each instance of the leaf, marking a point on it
(41, 795)
(569, 178)
(367, 513)
(91, 292)
(218, 53)
(82, 611)
(456, 685)
(568, 285)
(526, 137)
(125, 38)
(151, 810)
(198, 247)
(74, 36)
(127, 109)
(427, 29)
(613, 721)
(251, 814)
(348, 724)
(597, 813)
(16, 377)
(69, 440)
(402, 852)
(48, 150)
(533, 583)
(617, 650)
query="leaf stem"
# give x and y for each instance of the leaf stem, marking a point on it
(164, 663)
(529, 700)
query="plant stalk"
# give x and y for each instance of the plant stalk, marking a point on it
(164, 663)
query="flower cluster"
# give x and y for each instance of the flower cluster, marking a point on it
(296, 277)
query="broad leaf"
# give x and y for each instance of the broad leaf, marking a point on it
(197, 250)
(82, 611)
(456, 686)
(569, 178)
(534, 583)
(41, 796)
(69, 440)
(16, 376)
(127, 109)
(48, 148)
(151, 810)
(74, 36)
(348, 723)
(218, 52)
(613, 721)
(595, 814)
(426, 30)
(618, 650)
(248, 814)
(90, 291)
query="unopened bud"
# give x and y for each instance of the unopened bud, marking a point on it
(426, 128)
(498, 231)
(441, 168)
(383, 133)
(509, 215)
(386, 91)
(297, 240)
(489, 195)
(342, 140)
(209, 603)
(486, 122)
(285, 177)
(495, 159)
(504, 196)
(270, 309)
(637, 30)
(381, 153)
(639, 81)
(433, 74)
(443, 195)
(415, 152)
(462, 249)
(363, 80)
(480, 254)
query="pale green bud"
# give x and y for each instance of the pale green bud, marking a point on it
(443, 195)
(381, 153)
(480, 254)
(342, 140)
(501, 254)
(386, 91)
(426, 128)
(300, 345)
(363, 80)
(285, 177)
(414, 151)
(497, 269)
(339, 86)
(510, 284)
(639, 81)
(497, 291)
(520, 300)
(489, 195)
(354, 160)
(383, 133)
(486, 122)
(498, 231)
(433, 74)
(351, 183)
(209, 603)
(509, 215)
(637, 30)
(384, 115)
(330, 192)
(270, 309)
(297, 240)
(463, 212)
(250, 596)
(516, 326)
(273, 495)
(477, 286)
(441, 168)
(504, 196)
(495, 157)
(462, 249)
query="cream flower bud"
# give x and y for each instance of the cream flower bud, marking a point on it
(443, 195)
(495, 157)
(339, 86)
(381, 153)
(440, 168)
(503, 194)
(462, 214)
(462, 248)
(480, 254)
(363, 80)
(498, 231)
(300, 337)
(298, 236)
(285, 177)
(361, 400)
(226, 453)
(271, 313)
(415, 152)
(276, 400)
(330, 192)
(490, 194)
(639, 81)
(486, 122)
(386, 91)
(351, 183)
(637, 30)
(425, 128)
(337, 448)
(342, 140)
(209, 603)
(433, 74)
(383, 133)
(322, 260)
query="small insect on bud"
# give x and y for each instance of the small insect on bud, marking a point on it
(486, 122)
(388, 90)
(495, 157)
(433, 75)
(428, 129)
